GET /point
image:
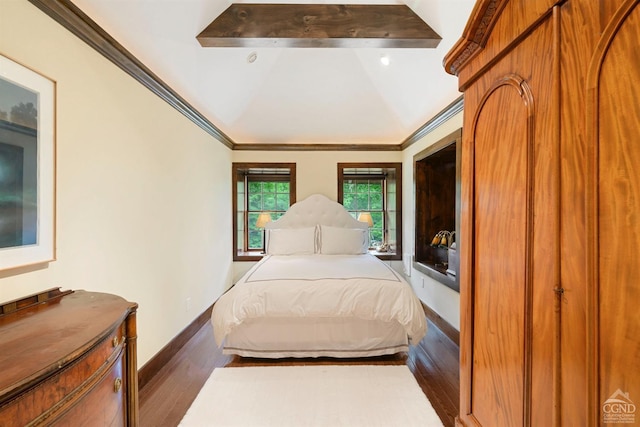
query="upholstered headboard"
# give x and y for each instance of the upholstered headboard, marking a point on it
(316, 209)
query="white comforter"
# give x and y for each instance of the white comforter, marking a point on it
(320, 286)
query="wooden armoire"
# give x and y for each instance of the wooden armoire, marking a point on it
(550, 213)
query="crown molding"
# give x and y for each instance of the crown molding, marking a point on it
(317, 147)
(449, 111)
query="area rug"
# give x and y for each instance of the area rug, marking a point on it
(316, 395)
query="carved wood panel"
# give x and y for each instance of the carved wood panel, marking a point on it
(614, 204)
(511, 185)
(500, 283)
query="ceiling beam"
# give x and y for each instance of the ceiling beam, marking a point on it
(318, 25)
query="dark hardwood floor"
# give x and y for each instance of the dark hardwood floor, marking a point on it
(166, 397)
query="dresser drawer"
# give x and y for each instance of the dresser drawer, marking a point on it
(103, 405)
(54, 395)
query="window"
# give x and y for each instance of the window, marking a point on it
(375, 188)
(259, 188)
(361, 195)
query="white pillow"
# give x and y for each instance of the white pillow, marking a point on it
(291, 241)
(343, 241)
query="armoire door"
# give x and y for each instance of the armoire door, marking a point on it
(510, 217)
(613, 141)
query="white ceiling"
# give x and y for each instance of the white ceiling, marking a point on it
(290, 95)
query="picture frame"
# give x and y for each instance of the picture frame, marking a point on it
(27, 166)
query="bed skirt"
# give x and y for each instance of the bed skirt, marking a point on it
(316, 337)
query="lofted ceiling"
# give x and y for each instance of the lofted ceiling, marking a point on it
(290, 95)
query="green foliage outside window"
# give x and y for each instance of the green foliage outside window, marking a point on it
(265, 196)
(366, 195)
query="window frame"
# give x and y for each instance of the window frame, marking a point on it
(397, 167)
(237, 171)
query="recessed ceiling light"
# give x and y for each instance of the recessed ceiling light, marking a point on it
(252, 57)
(384, 59)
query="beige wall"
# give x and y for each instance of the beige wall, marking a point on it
(442, 299)
(143, 194)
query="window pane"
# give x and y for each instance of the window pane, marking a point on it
(282, 187)
(253, 218)
(349, 187)
(375, 200)
(362, 187)
(391, 238)
(255, 187)
(240, 241)
(240, 221)
(255, 202)
(376, 237)
(255, 239)
(377, 219)
(269, 201)
(362, 201)
(392, 220)
(375, 187)
(282, 202)
(349, 201)
(391, 186)
(269, 187)
(391, 201)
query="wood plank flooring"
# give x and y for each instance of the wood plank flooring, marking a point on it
(166, 397)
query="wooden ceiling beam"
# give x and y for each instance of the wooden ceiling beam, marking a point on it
(318, 25)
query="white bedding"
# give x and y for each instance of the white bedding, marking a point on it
(320, 286)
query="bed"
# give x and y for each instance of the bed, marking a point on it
(318, 293)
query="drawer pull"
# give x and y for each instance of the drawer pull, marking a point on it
(115, 341)
(117, 385)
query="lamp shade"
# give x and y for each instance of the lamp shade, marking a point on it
(263, 219)
(366, 217)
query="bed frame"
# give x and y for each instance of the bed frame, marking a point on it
(331, 337)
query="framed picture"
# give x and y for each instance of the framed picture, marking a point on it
(27, 166)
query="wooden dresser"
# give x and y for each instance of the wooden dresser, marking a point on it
(550, 213)
(69, 359)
